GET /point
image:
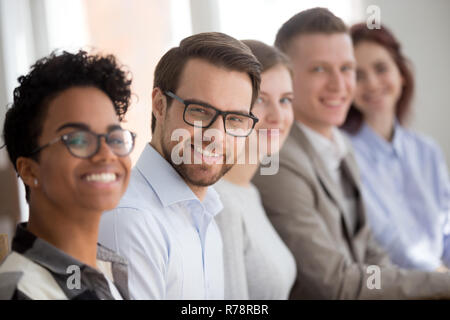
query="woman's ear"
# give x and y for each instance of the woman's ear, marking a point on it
(27, 169)
(159, 104)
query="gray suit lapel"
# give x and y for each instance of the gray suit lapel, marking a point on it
(332, 189)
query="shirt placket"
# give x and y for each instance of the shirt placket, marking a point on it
(201, 221)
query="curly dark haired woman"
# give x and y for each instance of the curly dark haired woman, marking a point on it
(63, 136)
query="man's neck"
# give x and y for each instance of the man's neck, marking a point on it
(156, 146)
(75, 233)
(199, 191)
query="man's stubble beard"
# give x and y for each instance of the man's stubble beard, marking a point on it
(184, 169)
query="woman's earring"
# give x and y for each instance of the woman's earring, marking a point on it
(35, 182)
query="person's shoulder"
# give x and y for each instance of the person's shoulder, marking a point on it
(9, 283)
(418, 138)
(22, 278)
(229, 191)
(293, 165)
(128, 229)
(139, 216)
(357, 142)
(224, 188)
(230, 196)
(132, 216)
(420, 143)
(139, 192)
(293, 154)
(293, 145)
(139, 200)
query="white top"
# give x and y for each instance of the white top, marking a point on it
(169, 237)
(112, 288)
(330, 151)
(106, 268)
(258, 265)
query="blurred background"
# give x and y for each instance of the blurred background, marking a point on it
(139, 32)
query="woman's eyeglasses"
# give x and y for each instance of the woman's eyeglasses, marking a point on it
(84, 144)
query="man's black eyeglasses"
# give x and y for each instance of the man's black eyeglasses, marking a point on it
(203, 115)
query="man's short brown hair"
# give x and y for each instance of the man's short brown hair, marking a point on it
(217, 48)
(316, 20)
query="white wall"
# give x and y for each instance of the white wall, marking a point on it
(261, 19)
(17, 52)
(204, 16)
(423, 28)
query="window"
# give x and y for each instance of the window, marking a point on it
(261, 19)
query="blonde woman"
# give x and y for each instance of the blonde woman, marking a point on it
(258, 265)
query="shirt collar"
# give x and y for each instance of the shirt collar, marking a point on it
(52, 258)
(212, 202)
(378, 145)
(168, 185)
(398, 138)
(332, 152)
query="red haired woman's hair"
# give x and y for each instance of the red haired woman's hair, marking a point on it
(359, 32)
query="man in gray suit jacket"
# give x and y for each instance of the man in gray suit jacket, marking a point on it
(314, 200)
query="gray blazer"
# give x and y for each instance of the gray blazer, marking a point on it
(307, 208)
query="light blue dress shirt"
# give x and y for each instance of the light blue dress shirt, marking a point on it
(406, 189)
(170, 238)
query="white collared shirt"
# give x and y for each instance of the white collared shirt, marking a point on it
(169, 237)
(332, 152)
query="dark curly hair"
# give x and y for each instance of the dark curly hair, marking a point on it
(48, 77)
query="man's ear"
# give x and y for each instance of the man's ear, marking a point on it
(159, 104)
(28, 170)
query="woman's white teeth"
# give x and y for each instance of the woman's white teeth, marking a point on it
(333, 103)
(101, 177)
(205, 152)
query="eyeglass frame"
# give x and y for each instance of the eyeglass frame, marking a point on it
(218, 113)
(63, 138)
